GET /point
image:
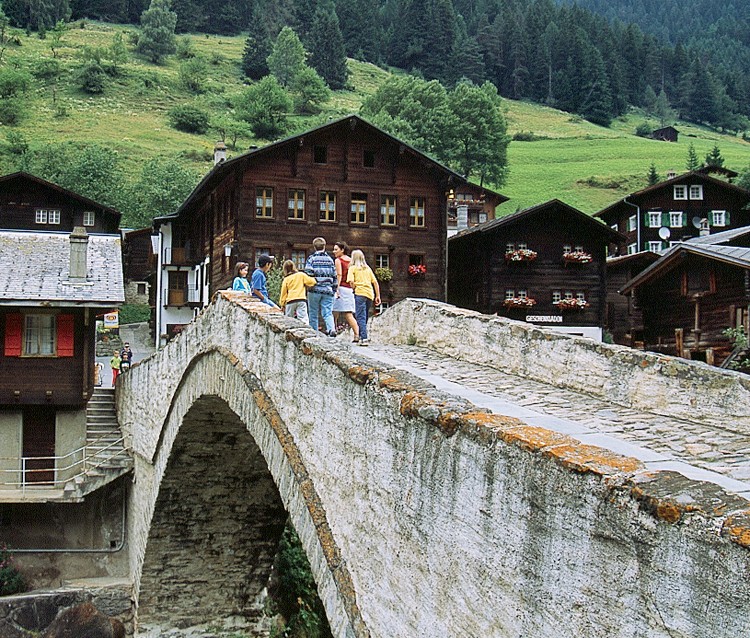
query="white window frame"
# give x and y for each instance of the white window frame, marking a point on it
(509, 293)
(523, 293)
(655, 246)
(680, 192)
(676, 219)
(718, 218)
(556, 296)
(632, 249)
(89, 218)
(581, 296)
(632, 223)
(382, 260)
(654, 219)
(696, 191)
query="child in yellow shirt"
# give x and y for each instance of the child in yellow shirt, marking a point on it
(366, 288)
(293, 298)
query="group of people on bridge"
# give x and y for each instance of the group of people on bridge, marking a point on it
(328, 284)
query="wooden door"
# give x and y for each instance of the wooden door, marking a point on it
(39, 441)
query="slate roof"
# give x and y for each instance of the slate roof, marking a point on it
(722, 237)
(34, 269)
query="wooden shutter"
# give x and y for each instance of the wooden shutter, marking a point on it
(13, 334)
(726, 218)
(65, 335)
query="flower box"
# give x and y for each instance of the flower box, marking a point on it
(577, 257)
(417, 270)
(522, 254)
(571, 304)
(519, 302)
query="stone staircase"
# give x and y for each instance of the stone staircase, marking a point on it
(106, 456)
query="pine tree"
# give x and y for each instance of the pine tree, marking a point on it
(288, 57)
(714, 158)
(327, 53)
(653, 176)
(597, 104)
(692, 158)
(257, 49)
(157, 38)
(361, 29)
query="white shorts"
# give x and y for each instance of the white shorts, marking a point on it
(345, 301)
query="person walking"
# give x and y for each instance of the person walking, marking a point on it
(320, 298)
(240, 283)
(126, 357)
(343, 300)
(259, 280)
(115, 363)
(366, 288)
(293, 300)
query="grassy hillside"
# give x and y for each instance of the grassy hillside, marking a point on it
(585, 165)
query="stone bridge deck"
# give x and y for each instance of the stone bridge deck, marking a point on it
(714, 452)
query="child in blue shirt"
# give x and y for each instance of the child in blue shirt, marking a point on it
(258, 281)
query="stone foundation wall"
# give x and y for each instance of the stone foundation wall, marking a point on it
(643, 380)
(447, 520)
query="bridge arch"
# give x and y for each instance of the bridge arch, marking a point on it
(225, 474)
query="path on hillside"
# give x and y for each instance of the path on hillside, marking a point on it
(696, 450)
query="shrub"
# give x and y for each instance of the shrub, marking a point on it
(643, 130)
(189, 119)
(92, 78)
(524, 136)
(185, 49)
(134, 313)
(17, 143)
(11, 581)
(11, 111)
(193, 73)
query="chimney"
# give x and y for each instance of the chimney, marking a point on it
(220, 153)
(704, 230)
(79, 241)
(463, 216)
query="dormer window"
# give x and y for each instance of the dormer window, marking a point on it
(696, 191)
(680, 192)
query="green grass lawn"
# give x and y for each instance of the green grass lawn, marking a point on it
(585, 165)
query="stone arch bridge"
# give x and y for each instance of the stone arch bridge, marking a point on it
(431, 500)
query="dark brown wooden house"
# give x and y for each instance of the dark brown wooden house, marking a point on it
(690, 296)
(60, 266)
(469, 205)
(544, 265)
(665, 134)
(346, 180)
(676, 210)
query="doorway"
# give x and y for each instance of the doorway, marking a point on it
(39, 444)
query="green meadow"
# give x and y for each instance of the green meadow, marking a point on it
(585, 165)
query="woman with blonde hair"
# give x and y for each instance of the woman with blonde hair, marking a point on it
(366, 289)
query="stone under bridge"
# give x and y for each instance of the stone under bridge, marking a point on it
(455, 481)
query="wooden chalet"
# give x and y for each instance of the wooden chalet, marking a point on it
(665, 134)
(543, 265)
(470, 205)
(60, 266)
(139, 267)
(676, 210)
(692, 294)
(346, 181)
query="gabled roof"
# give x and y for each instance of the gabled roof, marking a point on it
(721, 238)
(502, 222)
(35, 269)
(219, 171)
(733, 255)
(697, 175)
(22, 176)
(621, 260)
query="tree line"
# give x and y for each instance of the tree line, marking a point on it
(695, 58)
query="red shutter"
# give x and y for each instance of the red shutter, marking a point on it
(13, 332)
(64, 335)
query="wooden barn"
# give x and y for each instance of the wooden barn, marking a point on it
(345, 180)
(676, 210)
(665, 134)
(690, 296)
(543, 265)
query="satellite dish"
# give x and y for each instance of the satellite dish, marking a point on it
(697, 222)
(664, 233)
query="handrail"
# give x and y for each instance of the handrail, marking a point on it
(83, 457)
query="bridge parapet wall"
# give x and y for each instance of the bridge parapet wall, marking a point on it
(453, 521)
(642, 380)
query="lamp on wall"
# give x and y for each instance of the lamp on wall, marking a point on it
(228, 250)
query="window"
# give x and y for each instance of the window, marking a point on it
(416, 212)
(416, 260)
(718, 218)
(696, 191)
(39, 336)
(299, 257)
(675, 219)
(141, 288)
(568, 294)
(566, 249)
(581, 296)
(680, 192)
(327, 206)
(522, 245)
(509, 248)
(510, 294)
(654, 219)
(632, 249)
(523, 293)
(88, 218)
(358, 208)
(382, 260)
(482, 218)
(578, 249)
(388, 210)
(47, 216)
(615, 227)
(296, 209)
(654, 246)
(368, 158)
(261, 250)
(556, 296)
(264, 201)
(320, 154)
(632, 222)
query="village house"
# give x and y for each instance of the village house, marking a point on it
(543, 265)
(346, 181)
(60, 266)
(470, 205)
(676, 210)
(692, 294)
